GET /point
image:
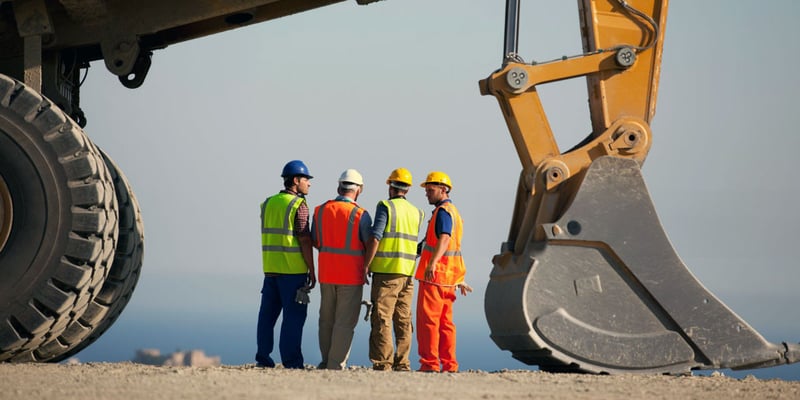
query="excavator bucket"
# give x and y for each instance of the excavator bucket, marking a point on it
(588, 280)
(605, 292)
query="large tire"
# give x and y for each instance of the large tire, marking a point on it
(63, 222)
(116, 292)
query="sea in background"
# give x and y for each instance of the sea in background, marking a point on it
(232, 337)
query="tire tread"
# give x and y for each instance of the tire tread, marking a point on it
(91, 236)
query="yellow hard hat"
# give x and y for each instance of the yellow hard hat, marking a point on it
(438, 177)
(400, 175)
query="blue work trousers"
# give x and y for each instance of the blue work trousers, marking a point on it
(278, 294)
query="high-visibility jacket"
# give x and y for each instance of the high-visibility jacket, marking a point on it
(397, 250)
(450, 269)
(280, 249)
(341, 252)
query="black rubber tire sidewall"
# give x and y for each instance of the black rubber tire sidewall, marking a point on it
(64, 228)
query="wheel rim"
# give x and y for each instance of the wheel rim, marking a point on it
(6, 213)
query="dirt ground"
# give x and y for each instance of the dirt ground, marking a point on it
(136, 381)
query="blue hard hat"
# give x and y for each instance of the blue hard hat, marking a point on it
(295, 168)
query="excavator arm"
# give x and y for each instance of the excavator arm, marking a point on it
(621, 64)
(588, 280)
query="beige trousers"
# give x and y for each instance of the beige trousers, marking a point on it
(338, 315)
(392, 295)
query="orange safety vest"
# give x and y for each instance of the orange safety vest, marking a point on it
(341, 252)
(450, 269)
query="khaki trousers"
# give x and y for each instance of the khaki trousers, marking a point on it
(338, 315)
(391, 295)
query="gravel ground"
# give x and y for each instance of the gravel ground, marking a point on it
(136, 381)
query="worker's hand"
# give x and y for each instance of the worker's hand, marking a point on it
(311, 281)
(464, 288)
(367, 275)
(430, 272)
(368, 305)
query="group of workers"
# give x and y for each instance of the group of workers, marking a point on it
(352, 248)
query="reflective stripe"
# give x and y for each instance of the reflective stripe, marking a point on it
(263, 207)
(392, 224)
(446, 253)
(282, 249)
(277, 231)
(288, 213)
(397, 235)
(318, 224)
(347, 252)
(351, 221)
(396, 254)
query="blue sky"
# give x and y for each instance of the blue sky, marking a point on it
(395, 84)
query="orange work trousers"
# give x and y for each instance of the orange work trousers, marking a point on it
(436, 332)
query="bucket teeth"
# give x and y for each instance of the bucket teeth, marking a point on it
(792, 354)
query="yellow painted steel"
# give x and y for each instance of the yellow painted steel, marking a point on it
(622, 99)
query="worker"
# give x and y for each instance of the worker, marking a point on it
(391, 255)
(440, 272)
(288, 263)
(339, 230)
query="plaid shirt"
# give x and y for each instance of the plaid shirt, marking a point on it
(301, 225)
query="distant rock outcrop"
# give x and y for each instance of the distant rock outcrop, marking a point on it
(190, 358)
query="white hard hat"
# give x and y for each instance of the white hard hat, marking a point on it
(349, 177)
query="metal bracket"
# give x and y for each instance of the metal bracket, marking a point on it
(33, 23)
(135, 78)
(32, 18)
(120, 54)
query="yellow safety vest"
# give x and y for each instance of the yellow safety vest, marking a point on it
(397, 250)
(280, 248)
